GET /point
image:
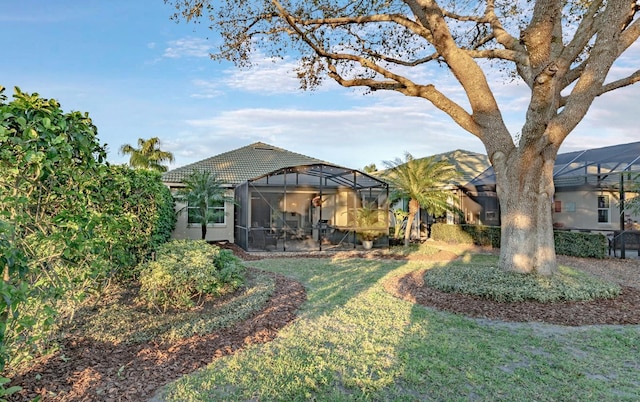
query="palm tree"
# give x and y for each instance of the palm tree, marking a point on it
(148, 155)
(205, 198)
(423, 181)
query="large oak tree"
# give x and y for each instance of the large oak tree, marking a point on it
(562, 50)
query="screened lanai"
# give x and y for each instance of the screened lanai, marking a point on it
(603, 168)
(591, 187)
(312, 207)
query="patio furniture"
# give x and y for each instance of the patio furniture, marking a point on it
(262, 238)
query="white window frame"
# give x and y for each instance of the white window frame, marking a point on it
(604, 206)
(211, 224)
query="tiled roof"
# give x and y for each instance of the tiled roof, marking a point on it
(239, 165)
(469, 164)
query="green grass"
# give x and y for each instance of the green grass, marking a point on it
(353, 341)
(416, 249)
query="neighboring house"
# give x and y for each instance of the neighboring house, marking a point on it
(469, 165)
(284, 200)
(588, 188)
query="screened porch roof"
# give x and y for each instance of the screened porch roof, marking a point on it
(597, 167)
(319, 174)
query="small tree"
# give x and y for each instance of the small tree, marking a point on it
(203, 193)
(370, 168)
(423, 181)
(148, 155)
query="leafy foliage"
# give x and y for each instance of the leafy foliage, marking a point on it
(187, 270)
(368, 223)
(48, 160)
(202, 191)
(493, 283)
(68, 221)
(148, 155)
(137, 214)
(424, 182)
(576, 244)
(633, 205)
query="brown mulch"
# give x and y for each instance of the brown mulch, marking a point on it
(624, 309)
(87, 370)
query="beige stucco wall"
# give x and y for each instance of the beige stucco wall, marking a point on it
(217, 232)
(585, 213)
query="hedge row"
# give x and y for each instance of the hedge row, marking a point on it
(576, 244)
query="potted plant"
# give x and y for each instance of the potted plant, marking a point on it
(368, 225)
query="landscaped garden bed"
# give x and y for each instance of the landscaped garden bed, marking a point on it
(353, 306)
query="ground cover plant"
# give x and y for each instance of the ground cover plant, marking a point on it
(491, 282)
(353, 340)
(185, 272)
(123, 320)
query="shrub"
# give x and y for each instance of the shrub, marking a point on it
(491, 282)
(575, 244)
(186, 271)
(450, 233)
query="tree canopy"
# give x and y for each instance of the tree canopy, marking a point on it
(563, 51)
(148, 155)
(424, 182)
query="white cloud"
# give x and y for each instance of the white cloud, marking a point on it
(187, 47)
(269, 76)
(354, 137)
(205, 89)
(266, 76)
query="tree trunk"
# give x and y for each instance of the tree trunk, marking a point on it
(414, 207)
(203, 228)
(525, 190)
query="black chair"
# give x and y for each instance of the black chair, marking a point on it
(262, 239)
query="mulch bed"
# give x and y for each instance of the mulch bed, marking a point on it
(86, 370)
(624, 309)
(91, 371)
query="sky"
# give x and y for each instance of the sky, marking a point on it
(140, 75)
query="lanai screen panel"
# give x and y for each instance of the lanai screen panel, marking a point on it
(601, 167)
(313, 207)
(241, 230)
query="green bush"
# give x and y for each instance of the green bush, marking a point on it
(137, 214)
(491, 282)
(450, 233)
(575, 244)
(578, 244)
(186, 271)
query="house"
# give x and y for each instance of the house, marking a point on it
(589, 186)
(283, 200)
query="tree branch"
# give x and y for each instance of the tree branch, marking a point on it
(632, 79)
(395, 18)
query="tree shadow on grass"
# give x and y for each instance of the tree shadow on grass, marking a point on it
(509, 351)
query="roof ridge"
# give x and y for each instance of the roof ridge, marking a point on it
(245, 162)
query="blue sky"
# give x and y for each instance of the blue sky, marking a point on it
(139, 74)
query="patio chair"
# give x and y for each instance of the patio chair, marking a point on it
(262, 239)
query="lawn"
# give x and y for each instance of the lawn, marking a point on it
(354, 341)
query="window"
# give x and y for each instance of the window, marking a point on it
(603, 208)
(217, 214)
